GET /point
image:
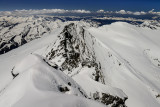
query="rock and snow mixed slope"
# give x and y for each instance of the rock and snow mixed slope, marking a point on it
(116, 65)
(76, 51)
(16, 31)
(38, 82)
(138, 49)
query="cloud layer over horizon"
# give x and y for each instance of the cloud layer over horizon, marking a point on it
(80, 11)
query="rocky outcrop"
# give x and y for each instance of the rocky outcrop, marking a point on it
(107, 99)
(72, 51)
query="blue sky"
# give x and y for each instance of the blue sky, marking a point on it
(132, 5)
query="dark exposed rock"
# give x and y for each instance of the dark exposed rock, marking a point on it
(82, 92)
(63, 89)
(157, 96)
(108, 99)
(55, 66)
(14, 75)
(69, 83)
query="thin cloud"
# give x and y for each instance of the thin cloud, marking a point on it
(81, 11)
(43, 11)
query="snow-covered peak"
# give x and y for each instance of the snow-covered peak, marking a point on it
(76, 52)
(115, 65)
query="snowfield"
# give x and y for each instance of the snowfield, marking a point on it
(78, 65)
(38, 82)
(138, 49)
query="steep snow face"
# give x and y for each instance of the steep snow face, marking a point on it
(76, 52)
(16, 31)
(37, 82)
(108, 48)
(73, 49)
(138, 50)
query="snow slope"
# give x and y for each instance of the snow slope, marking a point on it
(16, 31)
(38, 82)
(138, 49)
(109, 64)
(76, 51)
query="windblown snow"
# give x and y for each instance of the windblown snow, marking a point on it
(78, 65)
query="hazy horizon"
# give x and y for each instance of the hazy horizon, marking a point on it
(92, 5)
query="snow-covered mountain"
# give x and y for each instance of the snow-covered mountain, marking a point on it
(76, 52)
(16, 31)
(78, 65)
(151, 24)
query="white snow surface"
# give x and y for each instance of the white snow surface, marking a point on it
(136, 48)
(130, 58)
(37, 86)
